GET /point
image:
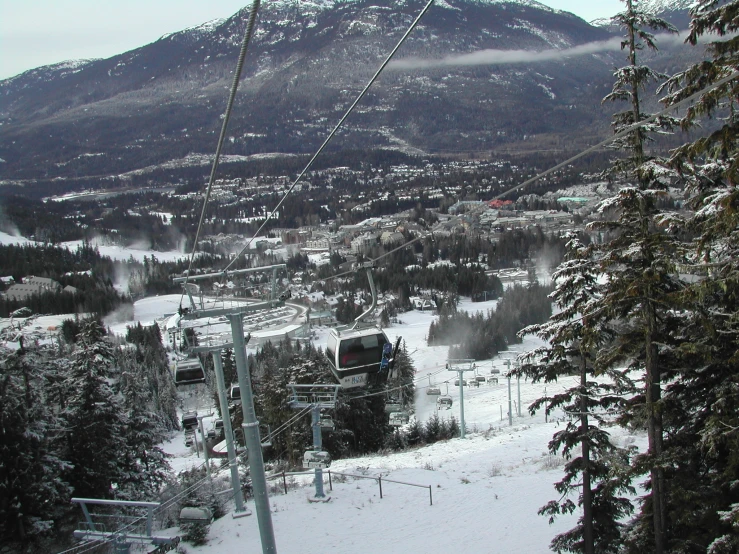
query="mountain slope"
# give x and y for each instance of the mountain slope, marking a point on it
(306, 64)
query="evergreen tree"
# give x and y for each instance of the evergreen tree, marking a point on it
(453, 429)
(630, 81)
(640, 252)
(702, 404)
(432, 429)
(33, 492)
(415, 435)
(404, 378)
(144, 465)
(95, 441)
(574, 335)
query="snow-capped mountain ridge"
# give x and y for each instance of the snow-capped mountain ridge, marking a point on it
(306, 63)
(674, 11)
(660, 6)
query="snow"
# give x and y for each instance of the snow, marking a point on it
(121, 253)
(486, 488)
(6, 238)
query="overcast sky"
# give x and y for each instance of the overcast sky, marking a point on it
(41, 32)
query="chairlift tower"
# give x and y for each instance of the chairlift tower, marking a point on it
(460, 366)
(235, 314)
(315, 397)
(241, 510)
(518, 385)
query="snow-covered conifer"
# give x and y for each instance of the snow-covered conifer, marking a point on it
(593, 472)
(703, 402)
(640, 256)
(95, 423)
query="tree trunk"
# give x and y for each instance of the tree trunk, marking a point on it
(636, 110)
(654, 432)
(587, 493)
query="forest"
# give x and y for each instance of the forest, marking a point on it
(646, 316)
(481, 336)
(85, 416)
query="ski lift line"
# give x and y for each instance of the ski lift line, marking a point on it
(335, 129)
(164, 505)
(226, 273)
(225, 465)
(227, 116)
(95, 543)
(277, 432)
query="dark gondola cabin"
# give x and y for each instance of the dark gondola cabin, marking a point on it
(188, 372)
(356, 354)
(190, 420)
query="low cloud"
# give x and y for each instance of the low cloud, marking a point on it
(502, 57)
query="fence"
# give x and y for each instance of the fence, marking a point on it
(379, 480)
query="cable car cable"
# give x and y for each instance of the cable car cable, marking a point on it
(336, 128)
(222, 137)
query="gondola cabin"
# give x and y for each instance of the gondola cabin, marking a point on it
(356, 354)
(189, 420)
(188, 372)
(235, 394)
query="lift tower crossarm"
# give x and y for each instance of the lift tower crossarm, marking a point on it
(247, 308)
(210, 276)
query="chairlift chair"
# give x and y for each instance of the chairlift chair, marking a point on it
(433, 391)
(393, 406)
(316, 459)
(265, 436)
(189, 420)
(197, 515)
(326, 423)
(397, 419)
(444, 401)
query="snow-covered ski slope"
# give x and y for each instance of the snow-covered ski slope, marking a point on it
(486, 488)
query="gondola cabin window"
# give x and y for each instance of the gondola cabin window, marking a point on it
(361, 351)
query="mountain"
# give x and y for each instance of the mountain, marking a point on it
(305, 65)
(673, 11)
